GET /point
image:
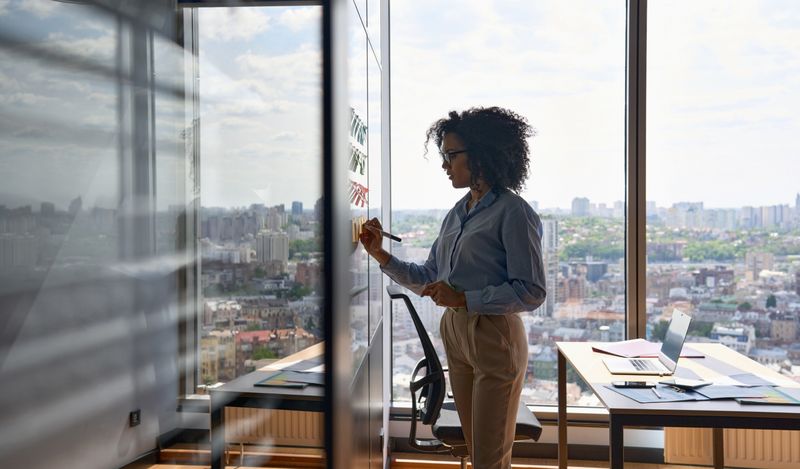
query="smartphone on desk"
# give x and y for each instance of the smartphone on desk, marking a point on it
(633, 384)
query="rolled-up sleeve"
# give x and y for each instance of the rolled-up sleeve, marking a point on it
(521, 233)
(410, 275)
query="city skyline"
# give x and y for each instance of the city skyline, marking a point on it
(35, 206)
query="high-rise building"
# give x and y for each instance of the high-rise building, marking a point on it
(580, 207)
(550, 261)
(685, 215)
(755, 262)
(297, 208)
(797, 205)
(75, 205)
(48, 209)
(272, 246)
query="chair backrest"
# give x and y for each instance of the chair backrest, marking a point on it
(432, 384)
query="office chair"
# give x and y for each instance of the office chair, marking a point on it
(434, 411)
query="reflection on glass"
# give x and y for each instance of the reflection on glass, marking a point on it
(375, 187)
(92, 173)
(260, 221)
(723, 213)
(363, 202)
(572, 92)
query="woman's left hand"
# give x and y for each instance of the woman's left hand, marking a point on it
(443, 295)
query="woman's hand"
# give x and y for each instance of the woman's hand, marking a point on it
(443, 295)
(371, 236)
(372, 239)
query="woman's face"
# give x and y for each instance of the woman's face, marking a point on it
(457, 168)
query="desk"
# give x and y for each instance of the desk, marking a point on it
(242, 392)
(716, 414)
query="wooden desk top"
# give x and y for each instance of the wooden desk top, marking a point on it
(589, 365)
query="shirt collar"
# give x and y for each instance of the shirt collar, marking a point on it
(485, 201)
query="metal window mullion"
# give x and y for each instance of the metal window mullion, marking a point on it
(336, 244)
(386, 218)
(635, 233)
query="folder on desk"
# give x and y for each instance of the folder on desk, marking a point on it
(640, 348)
(292, 379)
(665, 394)
(281, 379)
(775, 396)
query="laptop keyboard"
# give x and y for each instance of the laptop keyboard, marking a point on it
(644, 365)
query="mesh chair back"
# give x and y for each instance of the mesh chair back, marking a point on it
(432, 383)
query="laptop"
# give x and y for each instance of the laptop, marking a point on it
(667, 359)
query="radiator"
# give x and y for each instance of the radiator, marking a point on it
(767, 449)
(268, 427)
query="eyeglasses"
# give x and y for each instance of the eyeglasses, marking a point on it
(447, 156)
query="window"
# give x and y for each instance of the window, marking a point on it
(572, 90)
(260, 166)
(723, 213)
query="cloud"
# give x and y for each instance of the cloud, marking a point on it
(39, 8)
(228, 24)
(722, 86)
(297, 73)
(296, 19)
(4, 4)
(97, 49)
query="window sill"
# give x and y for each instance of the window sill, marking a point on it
(547, 414)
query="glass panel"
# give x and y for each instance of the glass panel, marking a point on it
(260, 146)
(91, 164)
(375, 187)
(572, 92)
(359, 174)
(374, 25)
(723, 215)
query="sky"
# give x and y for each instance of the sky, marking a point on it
(260, 97)
(723, 90)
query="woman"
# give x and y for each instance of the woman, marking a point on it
(485, 267)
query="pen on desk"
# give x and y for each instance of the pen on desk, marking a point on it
(391, 236)
(656, 393)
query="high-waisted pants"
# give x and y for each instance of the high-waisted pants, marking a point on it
(487, 356)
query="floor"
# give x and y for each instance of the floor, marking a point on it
(405, 461)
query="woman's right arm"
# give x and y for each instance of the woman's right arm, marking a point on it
(408, 274)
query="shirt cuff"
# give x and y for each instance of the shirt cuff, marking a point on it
(474, 301)
(391, 267)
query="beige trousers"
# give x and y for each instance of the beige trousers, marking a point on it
(487, 356)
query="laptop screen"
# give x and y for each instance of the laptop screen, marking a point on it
(673, 342)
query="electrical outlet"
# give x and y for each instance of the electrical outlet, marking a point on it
(135, 418)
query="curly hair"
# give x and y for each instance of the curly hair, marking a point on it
(496, 140)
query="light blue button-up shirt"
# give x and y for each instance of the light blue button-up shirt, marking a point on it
(493, 253)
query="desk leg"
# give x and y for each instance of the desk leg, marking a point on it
(217, 432)
(563, 457)
(616, 443)
(719, 449)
